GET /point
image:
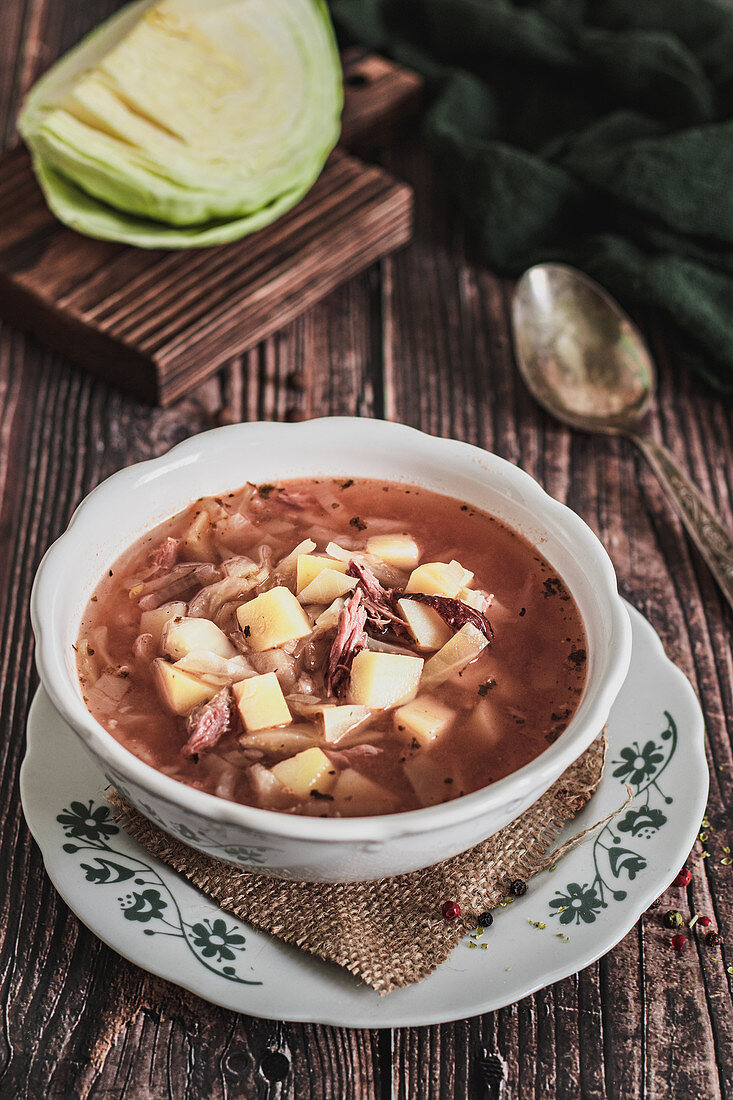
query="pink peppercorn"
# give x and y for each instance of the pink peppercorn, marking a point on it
(451, 910)
(704, 922)
(678, 942)
(684, 878)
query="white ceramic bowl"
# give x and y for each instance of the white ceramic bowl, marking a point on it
(132, 501)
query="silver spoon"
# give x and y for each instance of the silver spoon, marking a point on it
(587, 364)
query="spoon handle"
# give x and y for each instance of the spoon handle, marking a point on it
(703, 526)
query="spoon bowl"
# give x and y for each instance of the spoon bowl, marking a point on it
(586, 363)
(582, 358)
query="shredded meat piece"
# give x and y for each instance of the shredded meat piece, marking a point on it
(350, 639)
(208, 722)
(377, 601)
(165, 556)
(453, 612)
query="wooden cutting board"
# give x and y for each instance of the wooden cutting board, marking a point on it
(158, 322)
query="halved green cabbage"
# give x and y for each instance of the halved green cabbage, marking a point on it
(187, 122)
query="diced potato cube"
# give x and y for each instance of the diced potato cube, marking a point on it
(399, 550)
(381, 680)
(181, 691)
(183, 635)
(433, 780)
(326, 587)
(304, 772)
(435, 578)
(340, 720)
(425, 624)
(463, 648)
(310, 565)
(355, 794)
(424, 719)
(154, 622)
(261, 702)
(270, 620)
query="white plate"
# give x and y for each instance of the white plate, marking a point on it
(149, 914)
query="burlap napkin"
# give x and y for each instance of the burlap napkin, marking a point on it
(392, 932)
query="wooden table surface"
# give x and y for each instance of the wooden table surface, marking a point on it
(423, 339)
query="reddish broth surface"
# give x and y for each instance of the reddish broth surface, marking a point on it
(512, 701)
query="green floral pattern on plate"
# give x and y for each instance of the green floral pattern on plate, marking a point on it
(639, 767)
(215, 944)
(254, 855)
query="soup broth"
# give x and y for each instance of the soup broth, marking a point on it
(333, 647)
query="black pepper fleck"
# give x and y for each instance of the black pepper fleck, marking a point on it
(485, 688)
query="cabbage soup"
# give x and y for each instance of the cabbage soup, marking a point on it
(333, 647)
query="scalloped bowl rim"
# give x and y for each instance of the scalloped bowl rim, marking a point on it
(64, 693)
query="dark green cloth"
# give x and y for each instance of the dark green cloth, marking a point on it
(598, 132)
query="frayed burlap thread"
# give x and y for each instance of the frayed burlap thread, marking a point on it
(391, 932)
